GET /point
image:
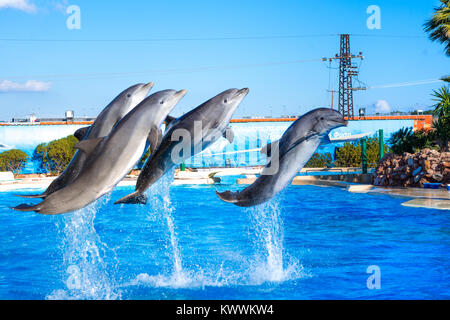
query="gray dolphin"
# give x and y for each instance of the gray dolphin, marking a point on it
(110, 158)
(102, 126)
(212, 117)
(293, 150)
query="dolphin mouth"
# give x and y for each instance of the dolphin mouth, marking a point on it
(147, 86)
(180, 93)
(242, 92)
(177, 96)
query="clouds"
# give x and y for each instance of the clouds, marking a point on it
(23, 5)
(382, 106)
(29, 86)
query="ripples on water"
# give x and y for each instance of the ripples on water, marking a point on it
(310, 242)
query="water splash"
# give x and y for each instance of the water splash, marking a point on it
(160, 203)
(272, 263)
(86, 274)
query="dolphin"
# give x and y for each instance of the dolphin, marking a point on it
(212, 118)
(288, 156)
(110, 158)
(111, 114)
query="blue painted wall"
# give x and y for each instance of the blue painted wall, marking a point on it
(252, 135)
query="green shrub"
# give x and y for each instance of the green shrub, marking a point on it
(13, 160)
(319, 160)
(144, 158)
(406, 140)
(55, 156)
(350, 154)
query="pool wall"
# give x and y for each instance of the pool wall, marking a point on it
(250, 134)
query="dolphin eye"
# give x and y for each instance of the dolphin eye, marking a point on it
(322, 118)
(225, 101)
(161, 102)
(128, 95)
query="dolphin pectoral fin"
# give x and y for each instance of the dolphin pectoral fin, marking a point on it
(154, 139)
(133, 198)
(81, 133)
(228, 196)
(87, 146)
(169, 120)
(31, 196)
(229, 134)
(26, 208)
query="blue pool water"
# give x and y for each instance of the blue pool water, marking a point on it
(309, 243)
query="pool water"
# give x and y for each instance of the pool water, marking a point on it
(309, 243)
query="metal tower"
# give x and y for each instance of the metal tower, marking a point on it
(346, 73)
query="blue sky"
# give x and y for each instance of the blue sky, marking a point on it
(185, 49)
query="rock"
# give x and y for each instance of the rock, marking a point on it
(413, 169)
(410, 162)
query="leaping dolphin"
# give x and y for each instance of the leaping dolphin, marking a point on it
(110, 158)
(292, 151)
(102, 126)
(211, 119)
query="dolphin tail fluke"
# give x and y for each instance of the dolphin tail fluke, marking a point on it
(32, 196)
(26, 208)
(228, 196)
(133, 198)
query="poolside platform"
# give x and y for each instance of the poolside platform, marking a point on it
(336, 177)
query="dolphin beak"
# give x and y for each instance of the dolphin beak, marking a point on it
(180, 94)
(243, 92)
(177, 96)
(148, 86)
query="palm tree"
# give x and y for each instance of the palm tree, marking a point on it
(438, 26)
(442, 107)
(441, 126)
(402, 141)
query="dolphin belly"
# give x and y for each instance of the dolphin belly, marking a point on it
(269, 184)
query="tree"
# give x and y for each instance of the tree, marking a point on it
(319, 160)
(144, 158)
(441, 131)
(41, 158)
(438, 26)
(350, 154)
(55, 156)
(13, 160)
(442, 99)
(401, 141)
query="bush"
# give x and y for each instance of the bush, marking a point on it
(144, 158)
(13, 160)
(405, 140)
(319, 160)
(350, 154)
(40, 157)
(55, 156)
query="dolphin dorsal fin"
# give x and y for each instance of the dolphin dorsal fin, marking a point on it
(89, 145)
(154, 138)
(267, 149)
(169, 122)
(81, 133)
(229, 134)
